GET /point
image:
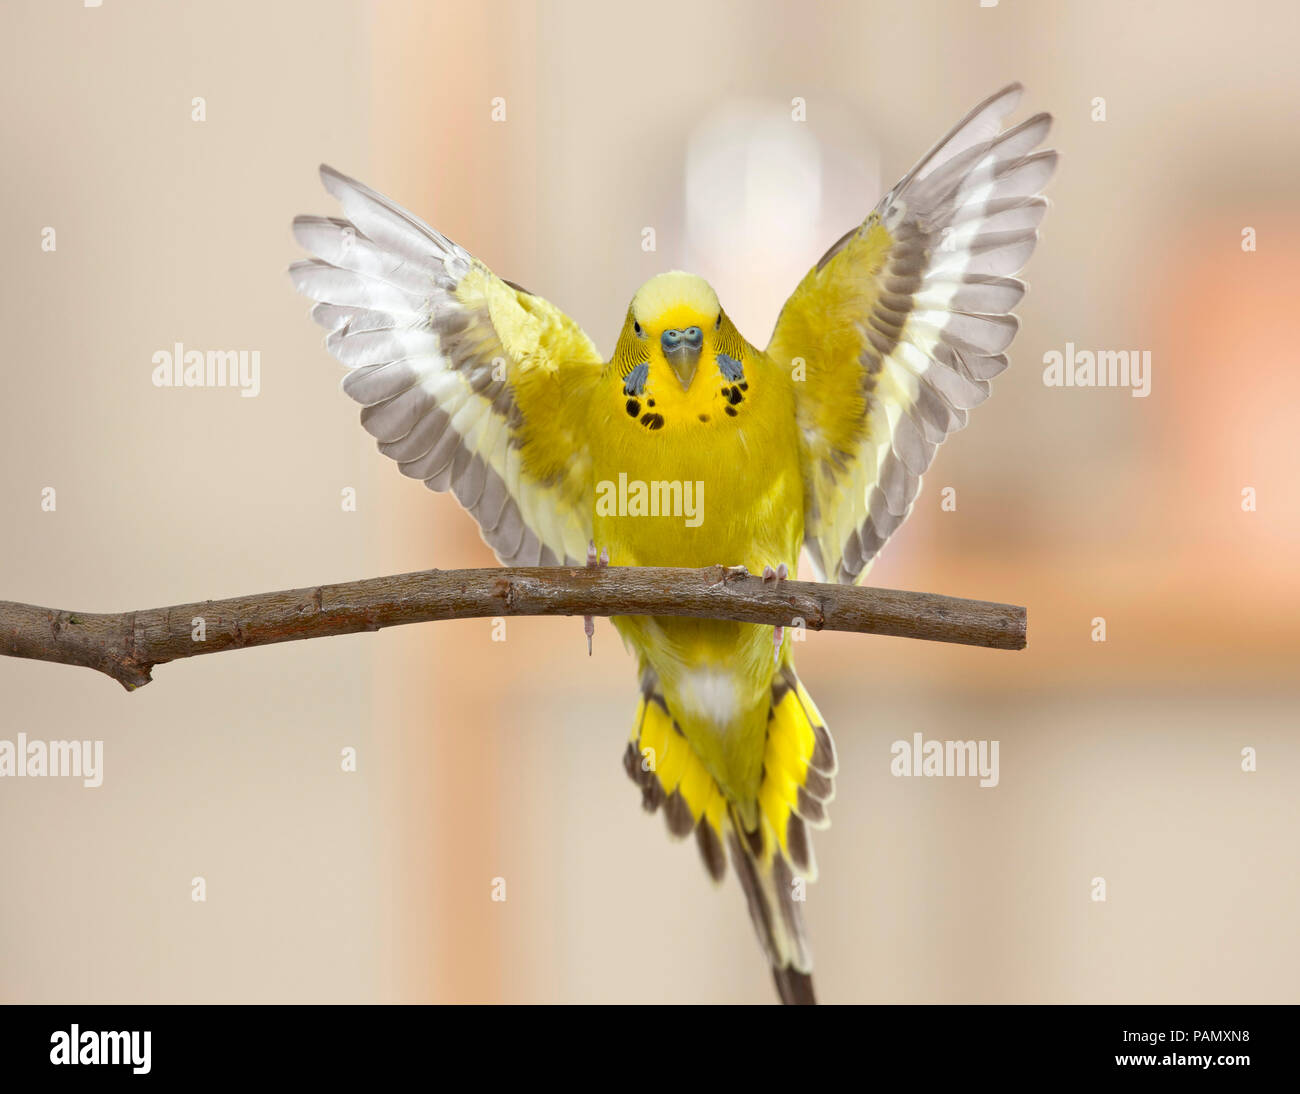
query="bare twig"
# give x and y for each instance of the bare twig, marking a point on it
(127, 645)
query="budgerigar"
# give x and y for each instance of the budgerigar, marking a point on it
(692, 447)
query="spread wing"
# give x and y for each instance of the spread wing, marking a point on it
(469, 382)
(902, 324)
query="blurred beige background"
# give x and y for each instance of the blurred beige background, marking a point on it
(482, 759)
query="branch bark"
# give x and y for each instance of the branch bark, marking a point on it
(127, 645)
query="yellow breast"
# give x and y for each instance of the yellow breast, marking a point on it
(705, 487)
(713, 478)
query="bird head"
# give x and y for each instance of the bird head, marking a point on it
(679, 358)
(671, 326)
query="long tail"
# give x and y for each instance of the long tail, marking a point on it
(770, 847)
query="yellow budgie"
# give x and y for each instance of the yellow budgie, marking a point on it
(692, 447)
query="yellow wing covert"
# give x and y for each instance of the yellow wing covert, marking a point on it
(469, 382)
(902, 324)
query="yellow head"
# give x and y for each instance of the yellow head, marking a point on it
(678, 355)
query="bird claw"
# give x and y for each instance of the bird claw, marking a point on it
(594, 562)
(776, 576)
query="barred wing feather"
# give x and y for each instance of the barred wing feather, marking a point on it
(895, 334)
(467, 381)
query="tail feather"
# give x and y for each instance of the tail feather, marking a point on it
(711, 851)
(795, 988)
(661, 761)
(775, 908)
(768, 840)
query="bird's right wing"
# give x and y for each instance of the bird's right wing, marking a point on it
(468, 381)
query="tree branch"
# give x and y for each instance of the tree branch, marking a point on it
(128, 645)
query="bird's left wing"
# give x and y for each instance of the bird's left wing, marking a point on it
(894, 335)
(468, 381)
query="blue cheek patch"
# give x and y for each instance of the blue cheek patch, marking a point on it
(635, 382)
(730, 368)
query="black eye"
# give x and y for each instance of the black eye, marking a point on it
(636, 326)
(717, 323)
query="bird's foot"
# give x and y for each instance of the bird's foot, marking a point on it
(594, 562)
(776, 576)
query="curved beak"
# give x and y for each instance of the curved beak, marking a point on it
(684, 361)
(682, 351)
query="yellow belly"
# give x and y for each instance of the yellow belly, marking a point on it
(733, 495)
